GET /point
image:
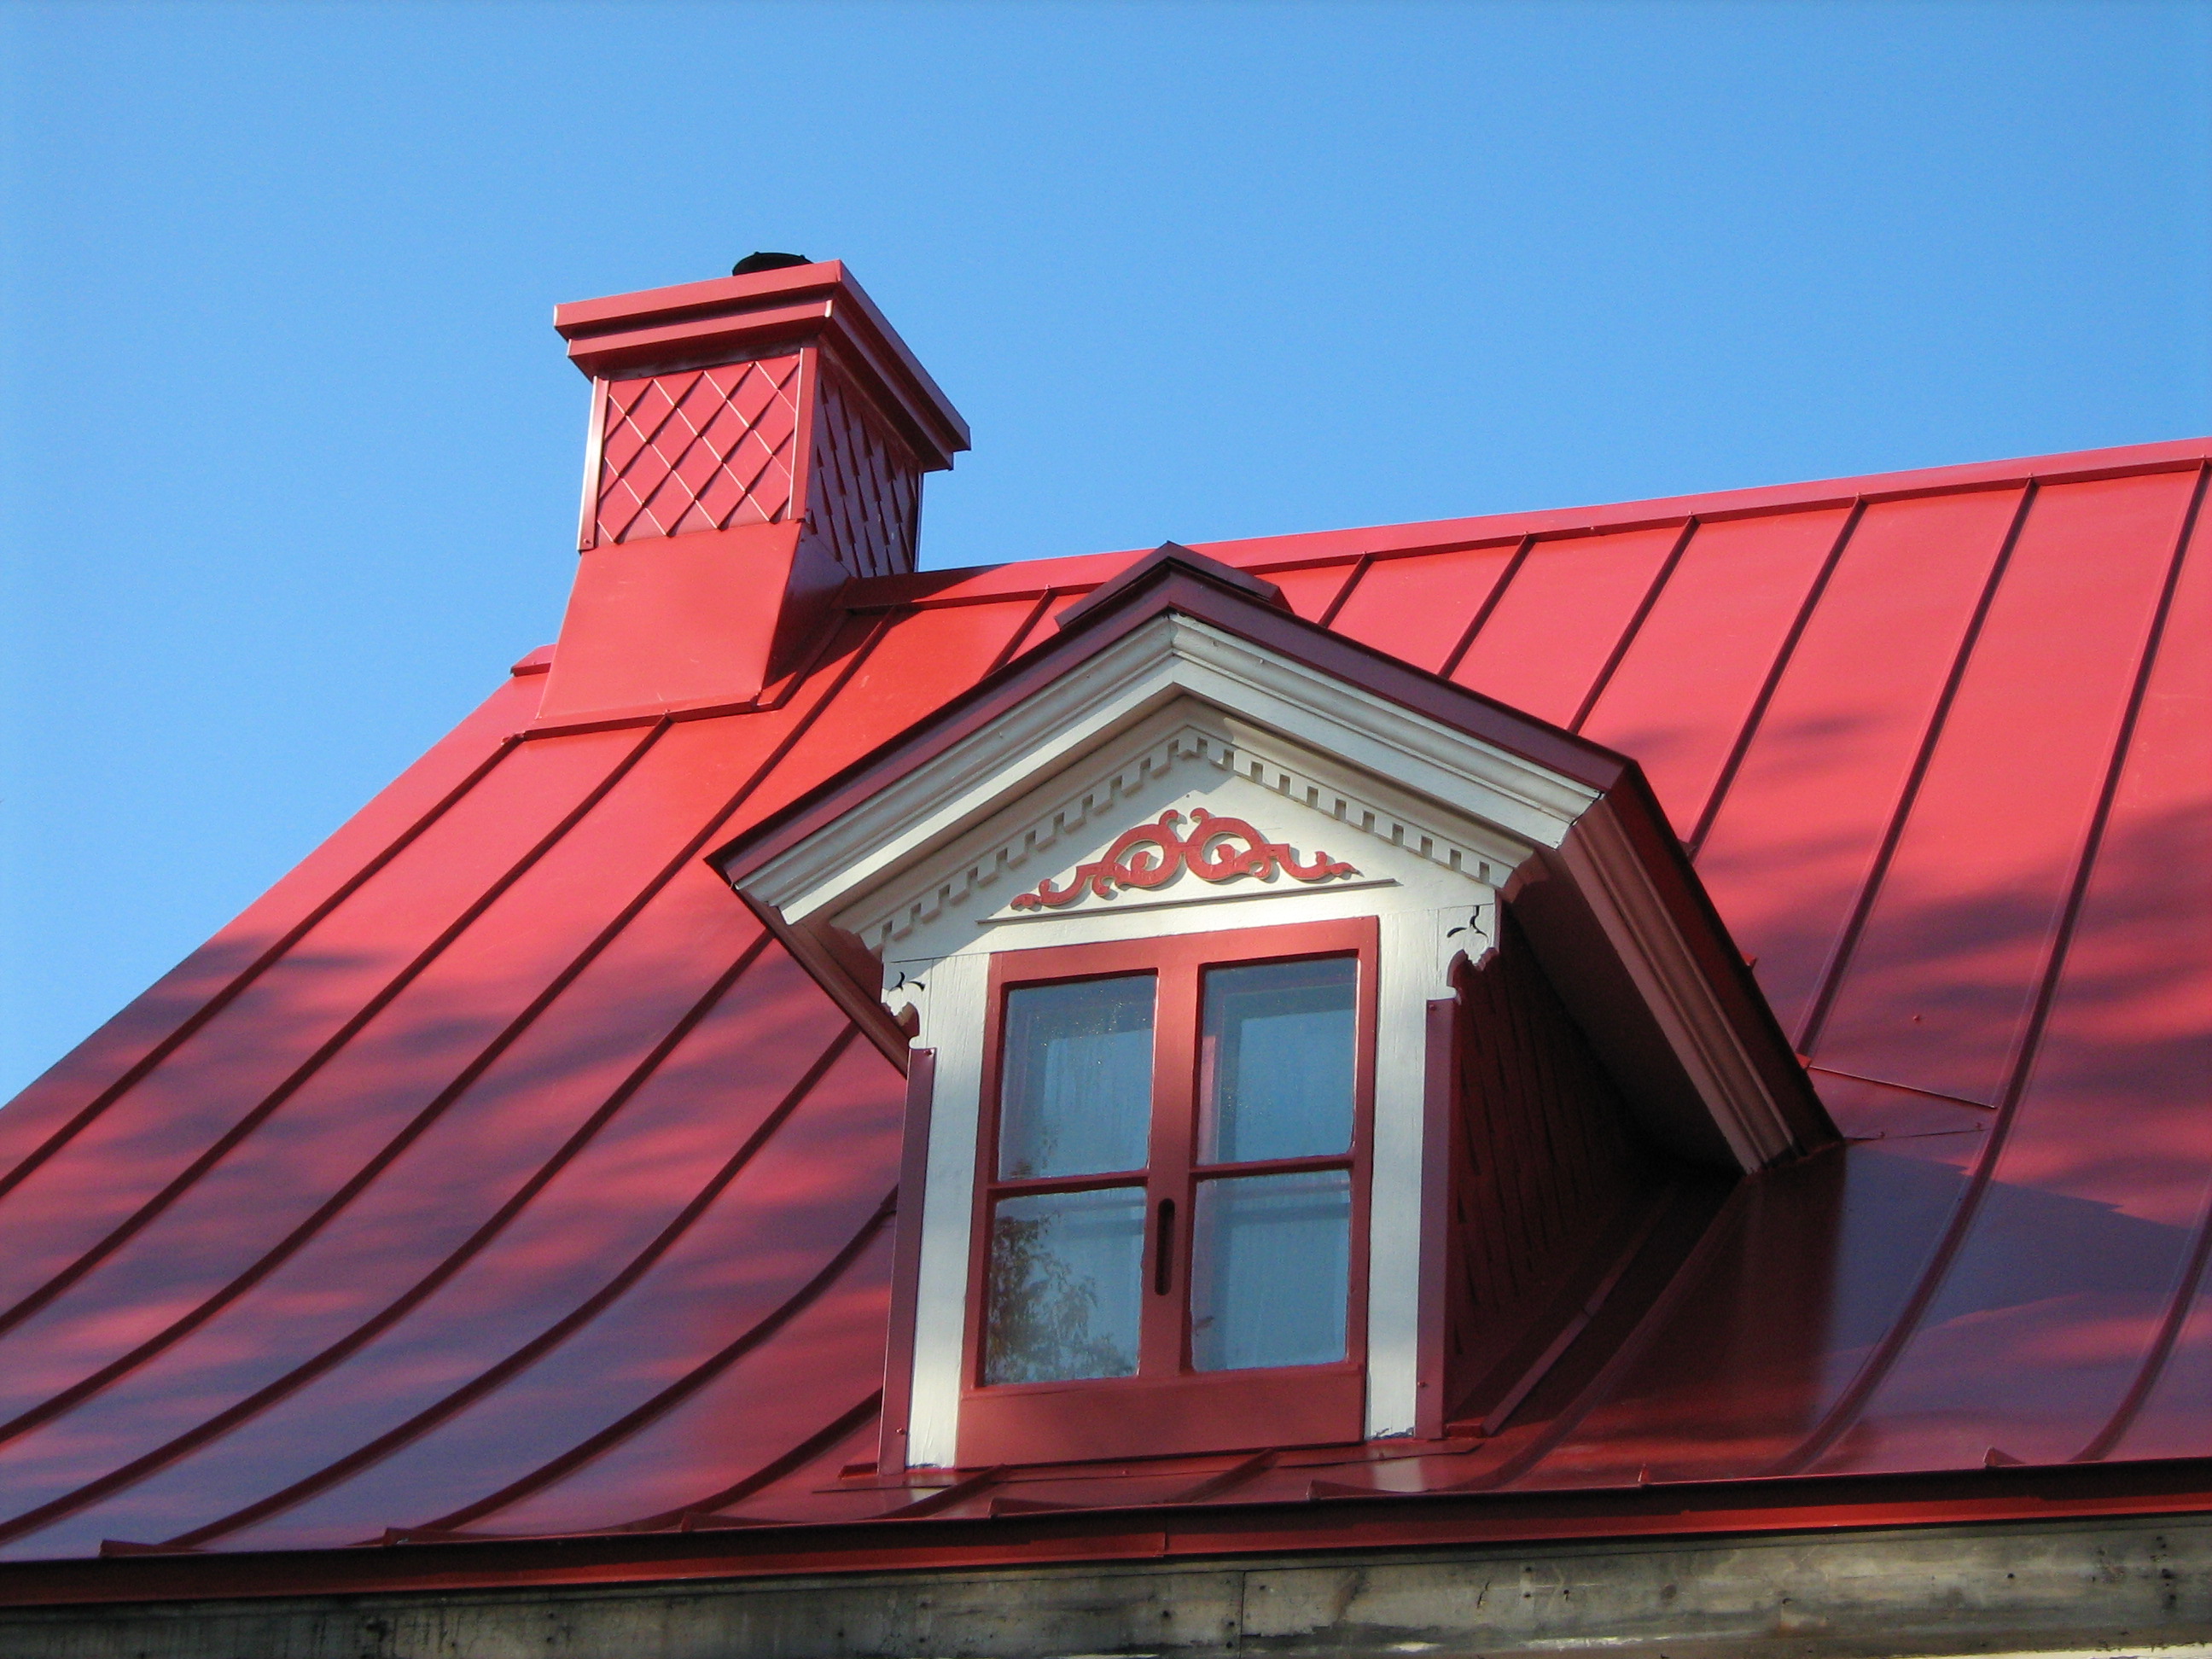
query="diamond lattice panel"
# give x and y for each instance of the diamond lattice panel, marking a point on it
(866, 498)
(700, 450)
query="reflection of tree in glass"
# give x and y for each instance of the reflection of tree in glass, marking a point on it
(1040, 1323)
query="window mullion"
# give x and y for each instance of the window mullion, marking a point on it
(1168, 1193)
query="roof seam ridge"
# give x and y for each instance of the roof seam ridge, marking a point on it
(298, 1077)
(232, 988)
(1645, 606)
(1882, 1359)
(1784, 654)
(1491, 601)
(544, 1342)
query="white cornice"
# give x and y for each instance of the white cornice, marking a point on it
(1200, 748)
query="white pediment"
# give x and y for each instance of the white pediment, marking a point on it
(1177, 711)
(1257, 828)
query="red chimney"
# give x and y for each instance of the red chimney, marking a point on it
(755, 442)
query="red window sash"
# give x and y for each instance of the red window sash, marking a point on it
(1168, 1407)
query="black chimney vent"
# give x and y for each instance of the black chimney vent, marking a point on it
(753, 262)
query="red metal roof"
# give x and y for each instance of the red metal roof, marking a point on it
(495, 1173)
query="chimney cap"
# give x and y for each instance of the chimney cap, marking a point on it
(765, 261)
(729, 317)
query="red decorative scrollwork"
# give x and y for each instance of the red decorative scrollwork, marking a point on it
(1152, 854)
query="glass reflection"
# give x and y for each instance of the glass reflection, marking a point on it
(1076, 1094)
(1276, 1057)
(1065, 1290)
(1270, 1270)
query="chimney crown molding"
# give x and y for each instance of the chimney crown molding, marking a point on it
(730, 318)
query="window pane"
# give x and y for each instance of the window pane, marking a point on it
(1271, 1267)
(1276, 1078)
(1065, 1290)
(1077, 1097)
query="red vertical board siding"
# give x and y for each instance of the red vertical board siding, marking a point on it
(75, 1080)
(1543, 1163)
(2110, 1218)
(1418, 608)
(1687, 682)
(228, 1067)
(1542, 649)
(1796, 836)
(1937, 992)
(1312, 590)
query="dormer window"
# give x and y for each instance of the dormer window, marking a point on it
(1173, 1187)
(1187, 918)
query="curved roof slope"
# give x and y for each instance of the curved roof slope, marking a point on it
(496, 1174)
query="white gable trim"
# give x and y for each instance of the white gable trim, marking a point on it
(1131, 678)
(1184, 748)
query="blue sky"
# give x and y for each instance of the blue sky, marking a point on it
(288, 453)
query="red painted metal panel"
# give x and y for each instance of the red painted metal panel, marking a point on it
(789, 1210)
(1690, 677)
(724, 1081)
(1791, 846)
(1312, 590)
(1551, 634)
(1419, 608)
(736, 1424)
(2057, 1299)
(276, 1030)
(2170, 1421)
(83, 1080)
(457, 1017)
(1937, 989)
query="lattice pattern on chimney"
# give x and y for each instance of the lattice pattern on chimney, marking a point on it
(865, 496)
(703, 449)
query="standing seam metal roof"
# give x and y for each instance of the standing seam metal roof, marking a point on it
(495, 1172)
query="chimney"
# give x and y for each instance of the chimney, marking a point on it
(755, 442)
